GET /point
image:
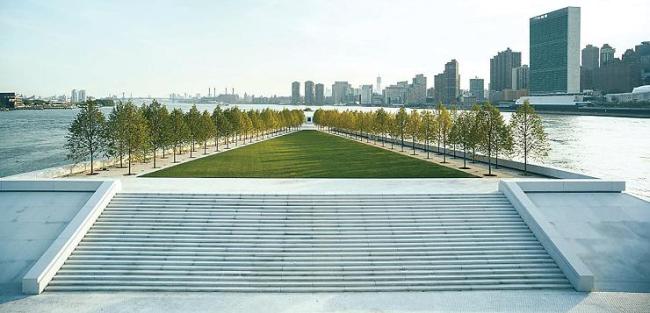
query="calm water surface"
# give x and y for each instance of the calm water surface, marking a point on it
(605, 147)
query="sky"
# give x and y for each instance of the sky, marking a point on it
(154, 48)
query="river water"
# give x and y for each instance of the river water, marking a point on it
(604, 147)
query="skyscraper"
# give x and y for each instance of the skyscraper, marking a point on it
(366, 94)
(319, 97)
(606, 55)
(555, 52)
(452, 85)
(378, 89)
(295, 93)
(520, 77)
(439, 87)
(396, 94)
(418, 90)
(82, 96)
(309, 92)
(590, 57)
(590, 63)
(501, 66)
(477, 88)
(341, 92)
(74, 96)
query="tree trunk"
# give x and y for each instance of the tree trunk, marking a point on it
(130, 161)
(92, 159)
(464, 157)
(413, 145)
(444, 153)
(154, 158)
(426, 146)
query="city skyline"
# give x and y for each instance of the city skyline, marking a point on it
(157, 57)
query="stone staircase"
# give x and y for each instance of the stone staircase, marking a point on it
(308, 243)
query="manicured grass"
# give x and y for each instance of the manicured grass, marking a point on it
(310, 154)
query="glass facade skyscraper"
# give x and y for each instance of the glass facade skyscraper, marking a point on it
(555, 52)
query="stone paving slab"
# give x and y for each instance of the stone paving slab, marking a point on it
(477, 301)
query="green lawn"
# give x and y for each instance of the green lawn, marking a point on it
(310, 154)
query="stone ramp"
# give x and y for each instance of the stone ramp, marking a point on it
(308, 243)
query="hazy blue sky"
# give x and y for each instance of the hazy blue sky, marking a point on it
(159, 47)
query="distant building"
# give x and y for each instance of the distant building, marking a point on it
(74, 96)
(563, 100)
(641, 93)
(520, 77)
(378, 89)
(447, 84)
(9, 100)
(319, 97)
(590, 57)
(477, 89)
(617, 76)
(501, 66)
(417, 92)
(643, 51)
(396, 94)
(590, 62)
(606, 55)
(295, 93)
(341, 92)
(366, 94)
(431, 93)
(469, 100)
(508, 95)
(309, 92)
(82, 96)
(555, 52)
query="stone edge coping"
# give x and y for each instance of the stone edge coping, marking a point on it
(49, 185)
(557, 247)
(41, 273)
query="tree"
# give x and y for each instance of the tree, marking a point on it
(491, 124)
(393, 129)
(401, 119)
(179, 130)
(85, 137)
(381, 123)
(235, 119)
(217, 119)
(193, 121)
(114, 134)
(427, 130)
(505, 142)
(135, 131)
(146, 144)
(462, 133)
(528, 133)
(206, 130)
(444, 126)
(413, 126)
(157, 117)
(453, 114)
(474, 130)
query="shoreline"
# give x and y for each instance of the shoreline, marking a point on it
(604, 112)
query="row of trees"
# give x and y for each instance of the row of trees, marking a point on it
(481, 129)
(136, 133)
